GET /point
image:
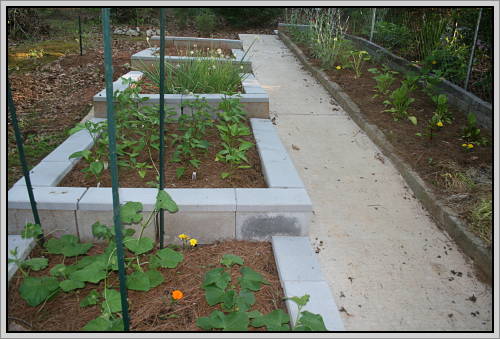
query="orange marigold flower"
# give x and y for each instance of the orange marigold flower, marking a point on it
(176, 295)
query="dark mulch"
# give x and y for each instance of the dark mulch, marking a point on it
(207, 175)
(152, 310)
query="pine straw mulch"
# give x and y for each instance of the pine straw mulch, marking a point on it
(152, 310)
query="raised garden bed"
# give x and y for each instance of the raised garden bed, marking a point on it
(174, 55)
(208, 173)
(151, 310)
(456, 178)
(254, 98)
(283, 208)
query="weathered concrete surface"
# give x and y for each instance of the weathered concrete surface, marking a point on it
(388, 265)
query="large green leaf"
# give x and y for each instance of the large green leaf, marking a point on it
(216, 277)
(138, 281)
(101, 231)
(36, 264)
(70, 285)
(59, 270)
(250, 279)
(93, 273)
(91, 299)
(112, 301)
(231, 259)
(130, 213)
(244, 300)
(276, 320)
(310, 322)
(67, 245)
(165, 258)
(138, 246)
(155, 278)
(234, 321)
(214, 295)
(103, 324)
(36, 289)
(165, 201)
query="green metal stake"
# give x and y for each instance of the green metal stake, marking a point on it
(80, 32)
(162, 119)
(108, 74)
(22, 158)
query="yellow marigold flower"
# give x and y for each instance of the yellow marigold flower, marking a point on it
(183, 236)
(193, 242)
(434, 62)
(176, 295)
(464, 145)
(470, 146)
(439, 124)
(338, 67)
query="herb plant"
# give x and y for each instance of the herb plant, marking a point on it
(356, 60)
(471, 133)
(400, 101)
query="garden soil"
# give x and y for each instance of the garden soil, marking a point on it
(389, 266)
(152, 310)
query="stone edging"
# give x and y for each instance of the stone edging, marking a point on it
(445, 217)
(300, 273)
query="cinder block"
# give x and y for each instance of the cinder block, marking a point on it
(87, 218)
(23, 246)
(320, 302)
(273, 200)
(47, 173)
(261, 226)
(77, 142)
(55, 222)
(200, 42)
(206, 227)
(277, 165)
(47, 198)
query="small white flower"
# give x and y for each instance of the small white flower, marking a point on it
(192, 52)
(195, 45)
(191, 93)
(219, 51)
(213, 66)
(178, 65)
(241, 67)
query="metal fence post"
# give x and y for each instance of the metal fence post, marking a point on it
(471, 59)
(374, 10)
(80, 32)
(108, 74)
(162, 119)
(22, 157)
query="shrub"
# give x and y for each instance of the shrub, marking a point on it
(206, 22)
(392, 36)
(452, 64)
(249, 16)
(184, 15)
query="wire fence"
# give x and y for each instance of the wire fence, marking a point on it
(441, 39)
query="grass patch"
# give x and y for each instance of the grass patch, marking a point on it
(481, 220)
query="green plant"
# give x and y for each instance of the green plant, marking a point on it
(384, 80)
(356, 60)
(96, 162)
(193, 126)
(198, 75)
(184, 15)
(442, 111)
(206, 22)
(471, 133)
(433, 124)
(236, 303)
(231, 128)
(96, 268)
(249, 16)
(400, 101)
(391, 35)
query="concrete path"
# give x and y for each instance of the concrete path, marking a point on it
(389, 266)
